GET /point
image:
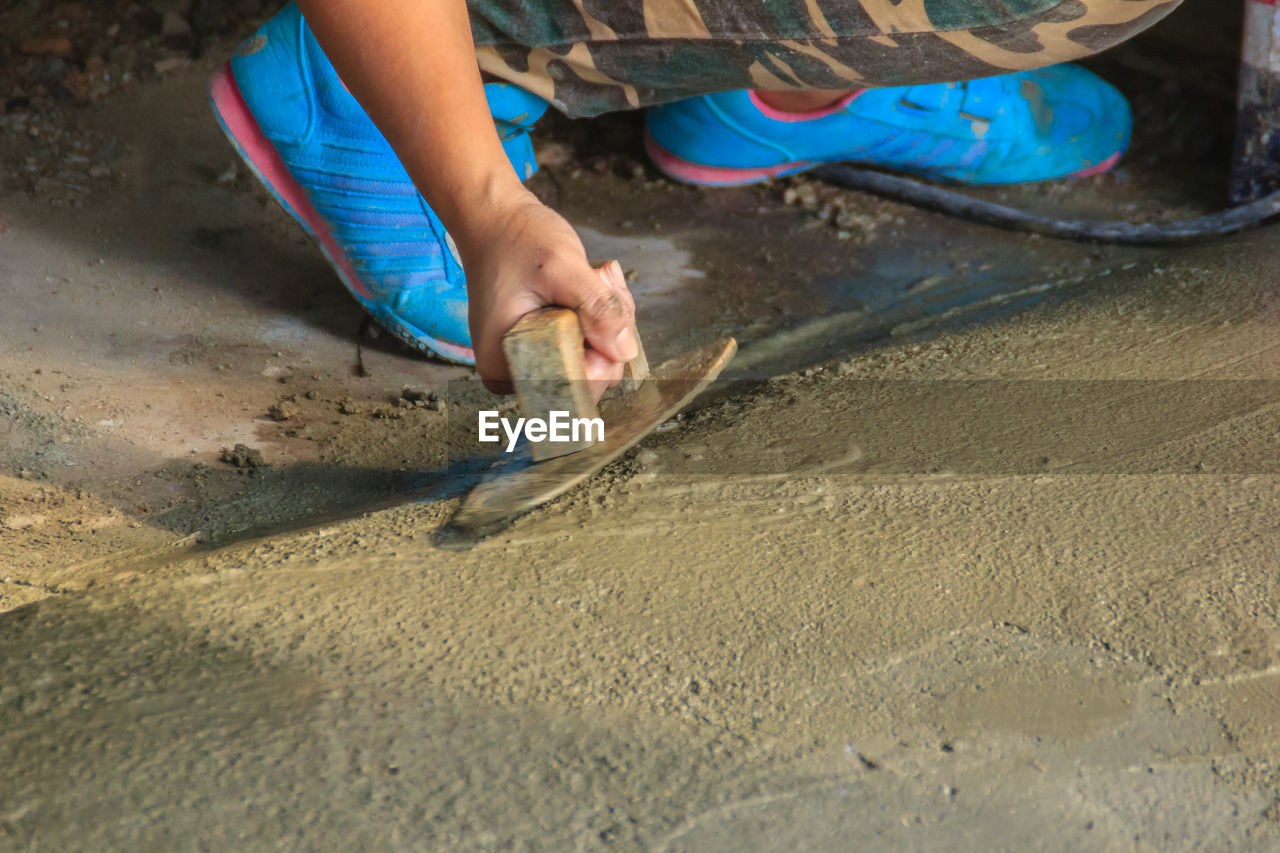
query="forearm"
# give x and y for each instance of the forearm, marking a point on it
(412, 66)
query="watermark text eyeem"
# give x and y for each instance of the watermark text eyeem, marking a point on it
(558, 427)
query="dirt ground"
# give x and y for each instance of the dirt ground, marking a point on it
(975, 550)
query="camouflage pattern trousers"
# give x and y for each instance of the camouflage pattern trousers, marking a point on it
(594, 56)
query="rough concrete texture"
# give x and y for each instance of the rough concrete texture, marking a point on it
(979, 554)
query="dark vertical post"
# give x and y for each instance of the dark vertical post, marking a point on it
(1256, 172)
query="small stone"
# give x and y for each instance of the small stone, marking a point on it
(413, 395)
(242, 456)
(78, 84)
(282, 411)
(553, 154)
(807, 195)
(56, 46)
(173, 63)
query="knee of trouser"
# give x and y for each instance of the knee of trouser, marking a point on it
(1049, 32)
(1096, 25)
(1073, 28)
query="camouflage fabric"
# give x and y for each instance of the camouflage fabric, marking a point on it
(593, 56)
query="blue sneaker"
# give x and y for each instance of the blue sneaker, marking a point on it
(1056, 122)
(307, 139)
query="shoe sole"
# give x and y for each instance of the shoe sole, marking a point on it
(688, 172)
(257, 152)
(701, 175)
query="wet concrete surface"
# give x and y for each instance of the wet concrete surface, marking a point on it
(177, 306)
(976, 553)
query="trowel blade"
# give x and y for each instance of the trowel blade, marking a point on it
(518, 484)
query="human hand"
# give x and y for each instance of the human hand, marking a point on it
(521, 256)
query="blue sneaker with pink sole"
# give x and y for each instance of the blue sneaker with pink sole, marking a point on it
(312, 145)
(1056, 122)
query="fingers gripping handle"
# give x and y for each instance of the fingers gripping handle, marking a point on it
(545, 353)
(637, 369)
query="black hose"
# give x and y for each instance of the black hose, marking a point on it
(951, 203)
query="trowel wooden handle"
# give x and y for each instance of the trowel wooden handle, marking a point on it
(548, 367)
(548, 344)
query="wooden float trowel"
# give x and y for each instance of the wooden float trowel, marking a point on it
(545, 353)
